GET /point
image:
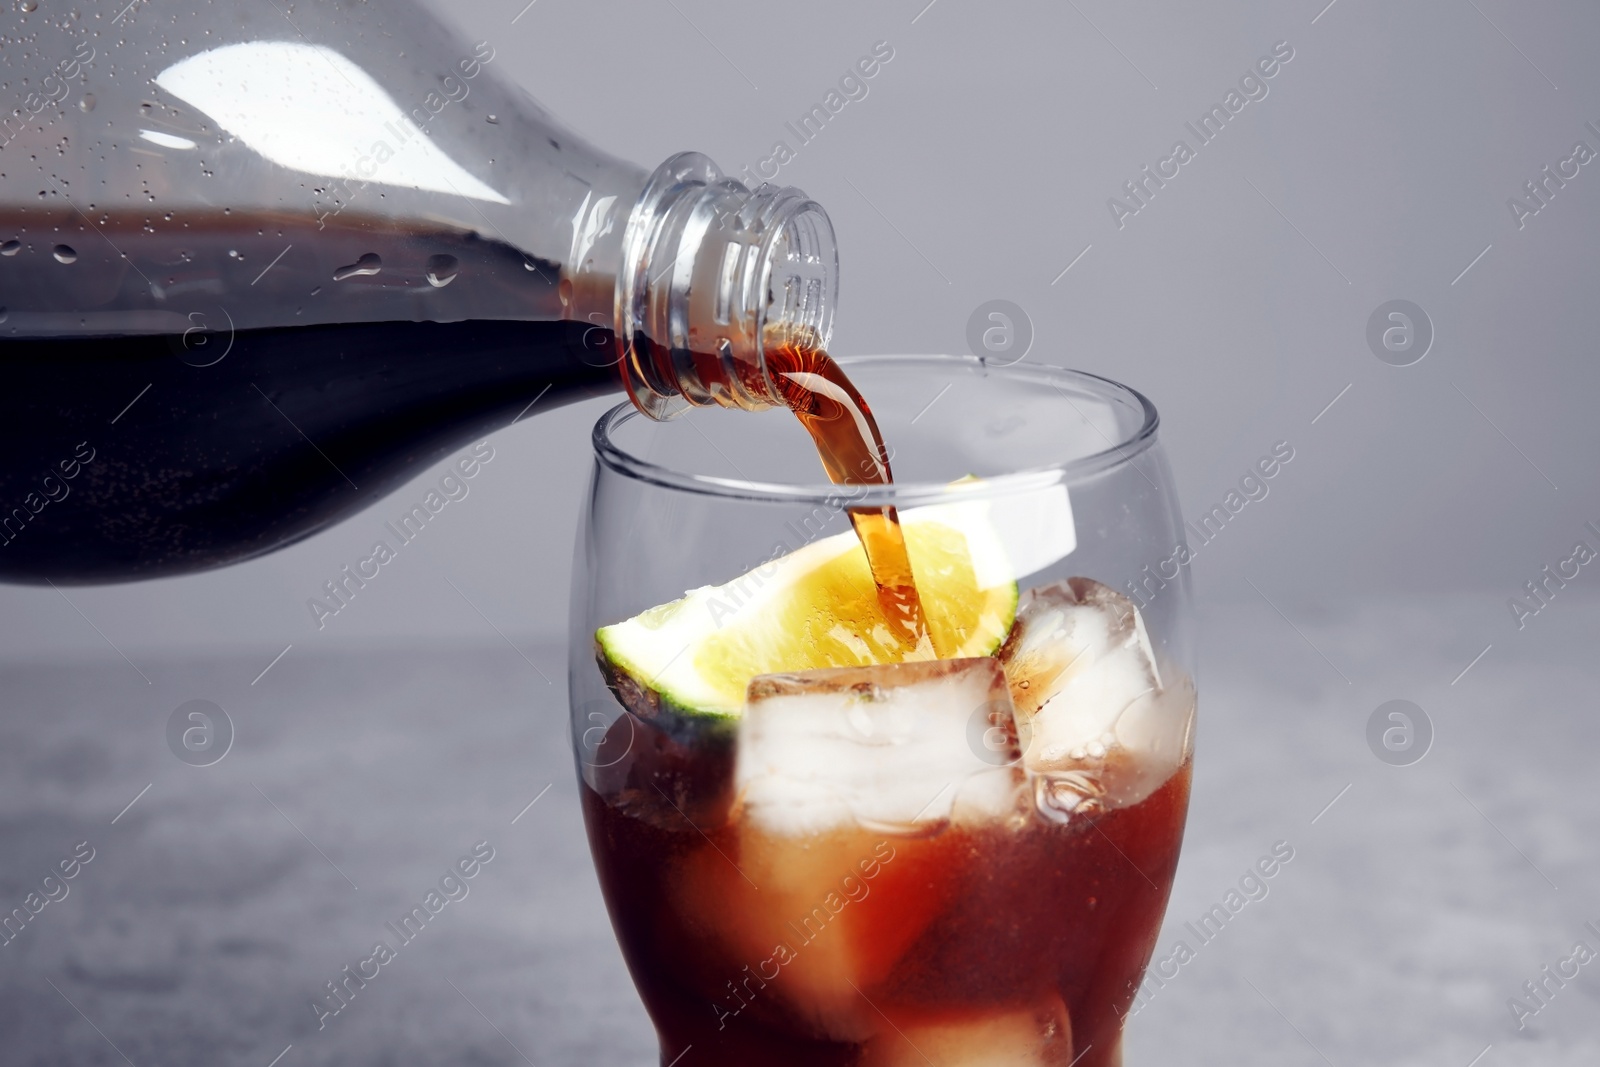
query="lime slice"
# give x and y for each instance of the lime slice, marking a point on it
(816, 607)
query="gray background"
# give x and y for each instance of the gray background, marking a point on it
(978, 167)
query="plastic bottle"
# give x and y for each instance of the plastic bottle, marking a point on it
(260, 264)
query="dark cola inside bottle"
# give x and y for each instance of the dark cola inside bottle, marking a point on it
(250, 285)
(141, 454)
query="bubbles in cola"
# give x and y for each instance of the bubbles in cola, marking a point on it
(1098, 727)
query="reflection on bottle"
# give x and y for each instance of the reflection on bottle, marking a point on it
(305, 107)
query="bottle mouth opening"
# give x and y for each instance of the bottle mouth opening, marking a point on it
(1116, 426)
(713, 273)
(797, 286)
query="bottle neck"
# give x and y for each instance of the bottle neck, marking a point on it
(713, 277)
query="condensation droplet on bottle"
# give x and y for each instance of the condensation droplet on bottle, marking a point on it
(65, 254)
(10, 248)
(492, 120)
(442, 270)
(371, 263)
(86, 103)
(28, 5)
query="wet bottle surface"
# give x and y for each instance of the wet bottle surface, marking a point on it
(140, 455)
(249, 285)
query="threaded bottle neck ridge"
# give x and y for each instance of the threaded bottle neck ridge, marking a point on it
(714, 274)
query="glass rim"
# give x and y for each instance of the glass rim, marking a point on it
(900, 494)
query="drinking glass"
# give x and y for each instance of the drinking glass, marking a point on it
(776, 896)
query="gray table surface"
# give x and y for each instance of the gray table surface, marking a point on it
(217, 905)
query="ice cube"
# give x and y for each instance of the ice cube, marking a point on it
(1026, 1037)
(844, 780)
(886, 747)
(1097, 727)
